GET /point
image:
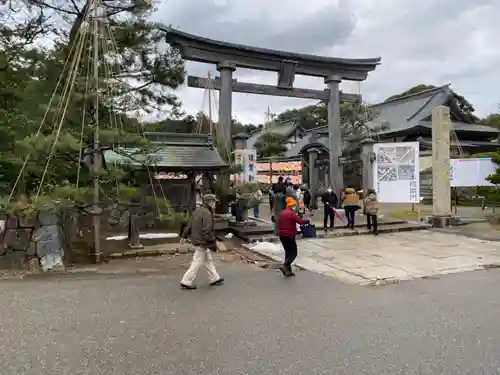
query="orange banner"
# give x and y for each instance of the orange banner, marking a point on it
(289, 166)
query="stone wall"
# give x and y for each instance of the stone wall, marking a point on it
(48, 240)
(32, 242)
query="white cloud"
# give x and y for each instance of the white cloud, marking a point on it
(426, 41)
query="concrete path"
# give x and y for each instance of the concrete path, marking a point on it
(258, 323)
(390, 257)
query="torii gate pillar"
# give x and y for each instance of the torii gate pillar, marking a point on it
(224, 136)
(335, 134)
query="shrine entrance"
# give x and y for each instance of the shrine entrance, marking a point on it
(229, 56)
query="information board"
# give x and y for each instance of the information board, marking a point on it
(471, 172)
(396, 172)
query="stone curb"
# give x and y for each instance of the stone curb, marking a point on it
(149, 253)
(274, 238)
(142, 253)
(382, 223)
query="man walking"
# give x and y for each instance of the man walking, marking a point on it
(287, 231)
(201, 232)
(330, 201)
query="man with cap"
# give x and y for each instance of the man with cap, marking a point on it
(201, 233)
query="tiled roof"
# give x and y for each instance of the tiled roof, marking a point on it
(406, 112)
(283, 128)
(171, 151)
(416, 110)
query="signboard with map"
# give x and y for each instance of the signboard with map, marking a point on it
(396, 172)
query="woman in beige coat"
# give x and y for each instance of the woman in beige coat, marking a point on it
(371, 210)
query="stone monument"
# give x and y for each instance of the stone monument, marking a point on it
(441, 185)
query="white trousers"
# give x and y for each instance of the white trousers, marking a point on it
(201, 257)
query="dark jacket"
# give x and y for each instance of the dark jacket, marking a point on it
(287, 223)
(200, 229)
(279, 188)
(307, 197)
(330, 199)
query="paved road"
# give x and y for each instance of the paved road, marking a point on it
(256, 324)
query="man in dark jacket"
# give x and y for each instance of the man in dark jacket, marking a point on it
(201, 232)
(307, 197)
(280, 187)
(287, 231)
(330, 201)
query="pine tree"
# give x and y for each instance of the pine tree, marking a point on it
(135, 47)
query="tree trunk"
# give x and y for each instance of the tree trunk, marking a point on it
(78, 23)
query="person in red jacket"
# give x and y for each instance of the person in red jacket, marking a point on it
(287, 231)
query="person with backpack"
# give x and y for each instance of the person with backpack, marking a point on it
(351, 204)
(370, 207)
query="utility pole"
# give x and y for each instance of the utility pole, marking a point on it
(96, 164)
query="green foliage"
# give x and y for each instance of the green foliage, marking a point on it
(495, 177)
(246, 194)
(309, 117)
(148, 69)
(167, 214)
(30, 102)
(492, 120)
(270, 144)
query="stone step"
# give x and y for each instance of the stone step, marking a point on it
(341, 232)
(360, 224)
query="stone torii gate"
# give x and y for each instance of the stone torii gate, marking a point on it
(229, 56)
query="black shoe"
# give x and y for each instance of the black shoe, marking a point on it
(218, 282)
(188, 287)
(286, 272)
(375, 233)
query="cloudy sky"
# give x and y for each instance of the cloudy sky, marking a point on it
(420, 41)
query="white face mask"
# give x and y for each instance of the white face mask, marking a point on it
(329, 190)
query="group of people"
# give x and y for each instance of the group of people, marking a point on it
(291, 207)
(350, 202)
(290, 218)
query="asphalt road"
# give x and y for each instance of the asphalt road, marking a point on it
(256, 324)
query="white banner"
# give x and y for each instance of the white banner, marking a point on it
(471, 172)
(248, 160)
